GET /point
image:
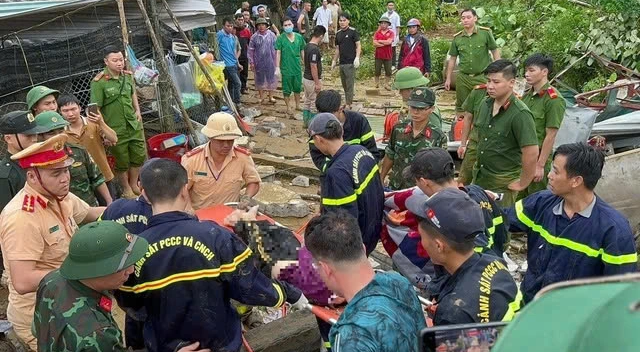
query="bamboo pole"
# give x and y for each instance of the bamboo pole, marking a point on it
(164, 80)
(164, 70)
(196, 56)
(125, 32)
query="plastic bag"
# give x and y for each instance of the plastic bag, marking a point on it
(143, 75)
(216, 71)
(183, 77)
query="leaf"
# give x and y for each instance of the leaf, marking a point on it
(480, 11)
(589, 61)
(612, 78)
(512, 19)
(500, 42)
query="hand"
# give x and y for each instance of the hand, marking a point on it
(139, 116)
(95, 118)
(318, 87)
(240, 67)
(301, 303)
(193, 347)
(539, 175)
(245, 202)
(277, 73)
(461, 150)
(333, 65)
(516, 186)
(447, 84)
(356, 62)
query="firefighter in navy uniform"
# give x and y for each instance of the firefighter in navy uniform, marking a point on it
(191, 272)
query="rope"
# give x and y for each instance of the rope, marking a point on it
(24, 56)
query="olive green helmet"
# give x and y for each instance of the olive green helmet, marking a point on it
(38, 92)
(409, 78)
(50, 120)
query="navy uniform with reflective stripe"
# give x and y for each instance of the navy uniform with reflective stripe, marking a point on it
(134, 214)
(352, 182)
(186, 280)
(494, 239)
(357, 131)
(596, 242)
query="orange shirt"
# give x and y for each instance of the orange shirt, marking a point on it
(36, 229)
(209, 186)
(90, 137)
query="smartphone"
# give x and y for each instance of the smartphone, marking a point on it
(478, 337)
(92, 108)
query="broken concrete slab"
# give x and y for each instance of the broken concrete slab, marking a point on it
(301, 181)
(277, 201)
(267, 173)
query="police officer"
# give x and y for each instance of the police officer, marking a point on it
(198, 266)
(217, 170)
(571, 232)
(472, 45)
(41, 98)
(409, 136)
(449, 222)
(351, 181)
(37, 225)
(86, 178)
(19, 130)
(547, 107)
(507, 143)
(355, 127)
(467, 151)
(114, 91)
(74, 303)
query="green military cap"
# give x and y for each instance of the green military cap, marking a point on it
(22, 122)
(38, 92)
(50, 120)
(102, 248)
(422, 97)
(261, 21)
(409, 77)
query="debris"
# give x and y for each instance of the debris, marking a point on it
(250, 113)
(511, 265)
(302, 181)
(277, 201)
(274, 133)
(267, 173)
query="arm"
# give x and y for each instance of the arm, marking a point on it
(337, 186)
(251, 178)
(545, 151)
(93, 214)
(450, 66)
(24, 275)
(401, 54)
(387, 163)
(336, 55)
(466, 129)
(496, 54)
(103, 191)
(278, 56)
(619, 255)
(109, 134)
(493, 47)
(299, 23)
(136, 105)
(529, 158)
(358, 49)
(252, 189)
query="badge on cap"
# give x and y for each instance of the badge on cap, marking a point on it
(43, 89)
(129, 237)
(54, 119)
(58, 147)
(226, 127)
(418, 92)
(30, 117)
(432, 216)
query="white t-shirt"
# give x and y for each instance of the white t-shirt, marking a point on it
(322, 17)
(395, 23)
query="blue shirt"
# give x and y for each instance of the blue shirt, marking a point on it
(227, 45)
(132, 213)
(385, 316)
(595, 242)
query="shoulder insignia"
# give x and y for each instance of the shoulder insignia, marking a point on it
(105, 303)
(98, 76)
(485, 28)
(480, 86)
(427, 132)
(552, 93)
(128, 72)
(42, 202)
(28, 204)
(194, 151)
(457, 34)
(242, 150)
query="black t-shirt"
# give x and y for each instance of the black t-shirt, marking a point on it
(346, 40)
(485, 288)
(312, 55)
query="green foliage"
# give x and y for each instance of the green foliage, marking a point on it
(365, 14)
(439, 48)
(615, 36)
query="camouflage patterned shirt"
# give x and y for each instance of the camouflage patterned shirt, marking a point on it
(70, 316)
(85, 174)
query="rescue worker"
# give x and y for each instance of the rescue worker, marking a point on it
(351, 180)
(409, 136)
(217, 170)
(507, 143)
(383, 312)
(198, 266)
(41, 98)
(86, 178)
(19, 130)
(36, 227)
(74, 303)
(355, 127)
(547, 106)
(468, 149)
(472, 46)
(114, 91)
(571, 232)
(449, 222)
(414, 51)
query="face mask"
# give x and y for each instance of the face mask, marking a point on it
(288, 29)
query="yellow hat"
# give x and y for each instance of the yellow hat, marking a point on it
(222, 126)
(50, 154)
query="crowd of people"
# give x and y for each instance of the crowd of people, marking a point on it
(176, 275)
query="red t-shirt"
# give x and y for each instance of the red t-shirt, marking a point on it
(384, 52)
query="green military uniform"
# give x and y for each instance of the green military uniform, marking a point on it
(114, 96)
(403, 145)
(85, 174)
(473, 52)
(547, 107)
(70, 316)
(500, 142)
(471, 105)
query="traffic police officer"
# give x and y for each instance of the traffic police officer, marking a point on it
(409, 136)
(507, 143)
(449, 222)
(352, 181)
(198, 266)
(19, 130)
(37, 225)
(571, 232)
(468, 149)
(217, 170)
(86, 178)
(472, 45)
(114, 91)
(41, 98)
(547, 107)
